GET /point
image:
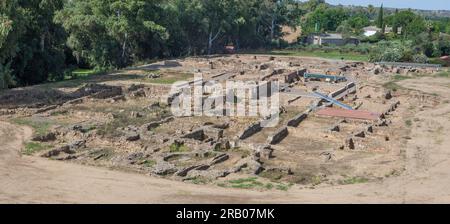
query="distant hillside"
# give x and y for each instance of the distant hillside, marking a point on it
(430, 14)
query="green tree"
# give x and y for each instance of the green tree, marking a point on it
(33, 50)
(395, 23)
(112, 33)
(5, 29)
(380, 19)
(328, 18)
(371, 10)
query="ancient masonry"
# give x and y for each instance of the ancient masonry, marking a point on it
(129, 126)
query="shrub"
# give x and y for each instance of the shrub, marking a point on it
(393, 51)
(420, 58)
(388, 54)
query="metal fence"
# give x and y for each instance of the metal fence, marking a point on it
(409, 65)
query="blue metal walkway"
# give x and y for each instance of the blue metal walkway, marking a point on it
(321, 76)
(333, 101)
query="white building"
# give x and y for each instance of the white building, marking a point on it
(372, 30)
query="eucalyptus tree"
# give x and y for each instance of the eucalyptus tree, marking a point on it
(112, 33)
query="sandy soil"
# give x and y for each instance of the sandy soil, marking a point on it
(26, 179)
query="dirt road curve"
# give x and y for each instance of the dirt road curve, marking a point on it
(30, 179)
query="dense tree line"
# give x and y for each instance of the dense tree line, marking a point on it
(32, 46)
(41, 40)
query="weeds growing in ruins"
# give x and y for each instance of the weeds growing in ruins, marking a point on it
(353, 180)
(272, 175)
(200, 180)
(284, 187)
(246, 183)
(408, 123)
(40, 127)
(34, 147)
(443, 74)
(254, 183)
(148, 163)
(168, 77)
(177, 147)
(392, 85)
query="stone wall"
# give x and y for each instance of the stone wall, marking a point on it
(342, 92)
(294, 122)
(278, 136)
(294, 76)
(250, 130)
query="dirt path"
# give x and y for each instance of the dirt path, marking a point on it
(26, 179)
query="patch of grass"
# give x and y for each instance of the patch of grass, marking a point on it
(83, 72)
(250, 185)
(200, 180)
(272, 175)
(246, 183)
(269, 186)
(401, 77)
(408, 123)
(243, 180)
(443, 74)
(437, 60)
(354, 180)
(169, 78)
(176, 147)
(34, 147)
(149, 163)
(316, 180)
(393, 172)
(244, 153)
(283, 187)
(39, 127)
(253, 183)
(392, 86)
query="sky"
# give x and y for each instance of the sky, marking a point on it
(414, 4)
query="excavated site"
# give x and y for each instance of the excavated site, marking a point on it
(123, 121)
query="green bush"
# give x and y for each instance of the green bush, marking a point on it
(388, 54)
(420, 58)
(396, 51)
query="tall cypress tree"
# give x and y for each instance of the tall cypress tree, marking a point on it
(380, 20)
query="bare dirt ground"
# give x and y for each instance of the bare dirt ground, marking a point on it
(25, 179)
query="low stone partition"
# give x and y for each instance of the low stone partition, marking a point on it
(198, 134)
(294, 122)
(250, 130)
(110, 91)
(155, 124)
(342, 92)
(294, 76)
(278, 136)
